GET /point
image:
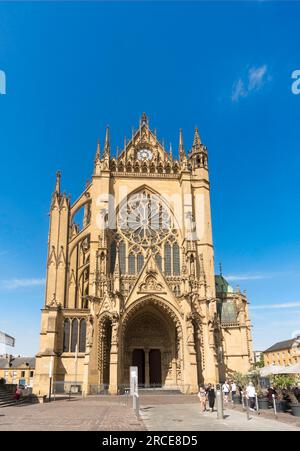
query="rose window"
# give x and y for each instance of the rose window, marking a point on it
(144, 220)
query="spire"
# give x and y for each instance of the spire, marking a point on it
(144, 120)
(97, 156)
(181, 150)
(197, 141)
(57, 183)
(170, 152)
(107, 143)
(220, 267)
(125, 148)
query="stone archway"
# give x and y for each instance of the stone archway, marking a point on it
(151, 340)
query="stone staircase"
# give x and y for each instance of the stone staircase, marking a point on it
(6, 398)
(159, 391)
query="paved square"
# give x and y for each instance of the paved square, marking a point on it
(90, 414)
(158, 413)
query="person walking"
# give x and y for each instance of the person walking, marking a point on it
(17, 394)
(202, 398)
(211, 396)
(233, 390)
(250, 393)
(226, 391)
(271, 391)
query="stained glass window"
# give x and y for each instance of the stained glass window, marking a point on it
(167, 259)
(122, 254)
(74, 337)
(112, 256)
(176, 260)
(66, 343)
(82, 335)
(131, 264)
(140, 263)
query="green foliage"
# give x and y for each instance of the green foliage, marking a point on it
(282, 381)
(285, 381)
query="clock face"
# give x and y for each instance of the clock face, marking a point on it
(144, 154)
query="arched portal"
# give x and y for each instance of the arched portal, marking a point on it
(151, 340)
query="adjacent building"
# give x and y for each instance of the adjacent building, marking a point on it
(130, 276)
(283, 353)
(17, 370)
(257, 356)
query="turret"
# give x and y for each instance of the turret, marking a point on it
(198, 153)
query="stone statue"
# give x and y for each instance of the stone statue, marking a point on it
(90, 330)
(190, 330)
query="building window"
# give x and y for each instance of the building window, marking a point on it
(167, 259)
(66, 343)
(31, 373)
(131, 264)
(82, 335)
(22, 373)
(140, 263)
(122, 254)
(74, 337)
(112, 256)
(176, 260)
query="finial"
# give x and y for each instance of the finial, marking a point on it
(57, 183)
(197, 140)
(125, 148)
(170, 151)
(107, 142)
(220, 267)
(97, 157)
(144, 120)
(181, 146)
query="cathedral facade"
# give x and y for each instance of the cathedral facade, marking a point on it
(134, 282)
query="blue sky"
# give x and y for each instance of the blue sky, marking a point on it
(72, 68)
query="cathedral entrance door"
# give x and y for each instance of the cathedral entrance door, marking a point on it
(138, 359)
(155, 367)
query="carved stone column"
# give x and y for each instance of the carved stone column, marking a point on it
(113, 369)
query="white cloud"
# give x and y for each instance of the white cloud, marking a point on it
(21, 283)
(256, 77)
(239, 90)
(286, 305)
(254, 80)
(233, 277)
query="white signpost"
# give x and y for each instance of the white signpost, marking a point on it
(133, 380)
(134, 388)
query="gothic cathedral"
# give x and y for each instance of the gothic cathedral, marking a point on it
(130, 277)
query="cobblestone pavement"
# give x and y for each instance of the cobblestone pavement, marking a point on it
(89, 414)
(158, 413)
(187, 417)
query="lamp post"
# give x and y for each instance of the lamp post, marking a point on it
(50, 376)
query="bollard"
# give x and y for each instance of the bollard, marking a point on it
(274, 405)
(219, 400)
